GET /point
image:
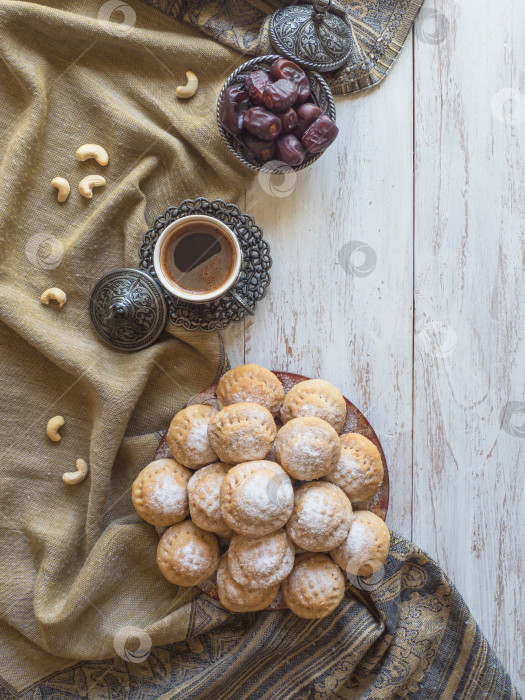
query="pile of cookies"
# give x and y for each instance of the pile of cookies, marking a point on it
(280, 500)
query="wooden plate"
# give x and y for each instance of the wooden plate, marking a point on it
(355, 423)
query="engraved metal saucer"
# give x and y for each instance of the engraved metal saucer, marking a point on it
(253, 280)
(314, 35)
(128, 309)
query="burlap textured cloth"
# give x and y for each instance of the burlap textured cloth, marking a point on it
(75, 562)
(78, 582)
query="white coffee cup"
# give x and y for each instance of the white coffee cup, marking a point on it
(171, 286)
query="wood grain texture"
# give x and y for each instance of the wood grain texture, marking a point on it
(233, 336)
(398, 275)
(340, 304)
(468, 509)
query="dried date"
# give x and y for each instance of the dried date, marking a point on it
(280, 96)
(288, 121)
(288, 149)
(306, 115)
(284, 68)
(229, 110)
(242, 108)
(262, 124)
(255, 84)
(261, 149)
(319, 135)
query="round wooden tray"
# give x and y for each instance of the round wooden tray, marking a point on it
(355, 423)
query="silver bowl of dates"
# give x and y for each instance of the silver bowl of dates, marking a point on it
(270, 109)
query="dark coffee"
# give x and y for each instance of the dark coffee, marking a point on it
(198, 258)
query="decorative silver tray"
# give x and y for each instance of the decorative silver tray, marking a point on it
(253, 280)
(321, 96)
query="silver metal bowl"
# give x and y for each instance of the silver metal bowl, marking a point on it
(321, 96)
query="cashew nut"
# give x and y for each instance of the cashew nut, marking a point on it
(190, 88)
(53, 426)
(62, 185)
(93, 150)
(54, 294)
(86, 185)
(79, 475)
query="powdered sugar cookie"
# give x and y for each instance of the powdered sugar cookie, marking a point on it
(315, 587)
(242, 432)
(315, 397)
(159, 492)
(365, 549)
(187, 555)
(251, 383)
(321, 517)
(187, 436)
(256, 498)
(260, 562)
(307, 448)
(237, 598)
(359, 470)
(204, 495)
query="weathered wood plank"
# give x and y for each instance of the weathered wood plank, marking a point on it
(233, 336)
(469, 451)
(340, 305)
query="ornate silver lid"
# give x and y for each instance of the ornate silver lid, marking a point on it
(312, 35)
(128, 309)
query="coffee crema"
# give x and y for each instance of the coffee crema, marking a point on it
(198, 258)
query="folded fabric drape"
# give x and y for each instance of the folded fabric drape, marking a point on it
(405, 633)
(379, 29)
(76, 563)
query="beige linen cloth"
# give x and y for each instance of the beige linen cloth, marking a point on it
(75, 565)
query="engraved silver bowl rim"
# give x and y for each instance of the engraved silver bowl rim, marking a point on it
(232, 142)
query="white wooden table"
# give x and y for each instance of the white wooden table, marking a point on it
(398, 274)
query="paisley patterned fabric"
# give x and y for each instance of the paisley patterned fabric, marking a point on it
(379, 29)
(409, 636)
